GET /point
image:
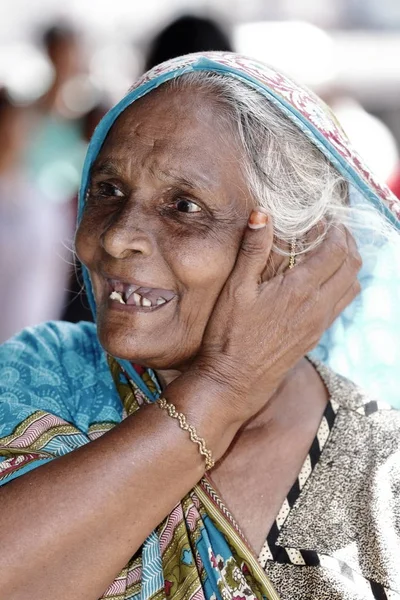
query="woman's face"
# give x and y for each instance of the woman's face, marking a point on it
(167, 208)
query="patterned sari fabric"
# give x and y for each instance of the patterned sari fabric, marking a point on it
(198, 549)
(58, 393)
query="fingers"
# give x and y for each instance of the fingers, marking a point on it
(255, 247)
(348, 297)
(346, 275)
(323, 262)
(321, 296)
(343, 286)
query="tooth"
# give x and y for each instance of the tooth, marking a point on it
(160, 301)
(137, 298)
(117, 296)
(146, 302)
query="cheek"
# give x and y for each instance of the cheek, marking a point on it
(86, 240)
(203, 265)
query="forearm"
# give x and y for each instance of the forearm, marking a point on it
(69, 527)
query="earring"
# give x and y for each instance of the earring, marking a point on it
(292, 256)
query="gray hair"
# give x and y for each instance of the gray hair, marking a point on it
(285, 171)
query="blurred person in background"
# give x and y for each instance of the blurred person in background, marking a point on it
(32, 265)
(56, 149)
(65, 118)
(76, 303)
(184, 35)
(63, 48)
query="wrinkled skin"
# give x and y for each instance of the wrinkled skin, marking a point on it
(134, 227)
(236, 332)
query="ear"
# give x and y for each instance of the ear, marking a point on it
(278, 263)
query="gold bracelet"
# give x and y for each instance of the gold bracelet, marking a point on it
(183, 424)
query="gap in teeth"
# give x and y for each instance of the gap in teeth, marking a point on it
(131, 290)
(139, 300)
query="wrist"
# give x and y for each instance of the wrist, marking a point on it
(203, 401)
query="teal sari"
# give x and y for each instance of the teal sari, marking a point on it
(198, 551)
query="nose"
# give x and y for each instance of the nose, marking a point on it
(123, 238)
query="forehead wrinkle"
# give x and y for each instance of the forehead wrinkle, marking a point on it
(191, 181)
(170, 152)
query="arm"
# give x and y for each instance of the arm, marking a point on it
(70, 526)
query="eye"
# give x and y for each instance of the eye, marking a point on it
(186, 206)
(107, 189)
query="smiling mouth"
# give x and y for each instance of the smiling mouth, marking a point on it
(137, 295)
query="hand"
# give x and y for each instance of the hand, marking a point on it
(259, 330)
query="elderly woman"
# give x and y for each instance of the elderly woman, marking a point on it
(211, 233)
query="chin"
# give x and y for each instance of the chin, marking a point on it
(157, 352)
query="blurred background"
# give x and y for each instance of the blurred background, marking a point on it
(63, 64)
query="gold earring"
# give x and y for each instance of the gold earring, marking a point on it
(292, 256)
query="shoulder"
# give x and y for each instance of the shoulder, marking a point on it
(361, 470)
(374, 422)
(57, 367)
(49, 340)
(51, 347)
(349, 510)
(347, 394)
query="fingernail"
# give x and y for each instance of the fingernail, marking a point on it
(257, 219)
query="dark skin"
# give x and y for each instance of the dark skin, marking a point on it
(228, 347)
(151, 169)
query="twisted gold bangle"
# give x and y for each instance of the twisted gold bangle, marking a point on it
(183, 424)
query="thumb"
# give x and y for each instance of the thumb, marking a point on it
(256, 245)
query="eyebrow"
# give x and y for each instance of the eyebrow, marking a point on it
(105, 167)
(111, 167)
